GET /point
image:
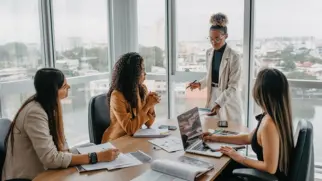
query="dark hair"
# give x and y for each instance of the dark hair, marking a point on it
(271, 93)
(125, 78)
(219, 21)
(47, 82)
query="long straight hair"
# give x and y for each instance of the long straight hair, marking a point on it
(271, 93)
(47, 82)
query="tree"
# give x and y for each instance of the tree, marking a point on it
(300, 75)
(98, 56)
(153, 56)
(288, 65)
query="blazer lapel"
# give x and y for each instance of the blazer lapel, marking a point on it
(210, 55)
(209, 75)
(224, 60)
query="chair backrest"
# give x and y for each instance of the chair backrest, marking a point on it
(4, 128)
(302, 164)
(98, 118)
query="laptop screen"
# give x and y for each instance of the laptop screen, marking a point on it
(190, 127)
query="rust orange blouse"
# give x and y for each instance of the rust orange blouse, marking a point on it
(122, 122)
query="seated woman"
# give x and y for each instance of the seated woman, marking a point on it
(272, 140)
(36, 141)
(130, 104)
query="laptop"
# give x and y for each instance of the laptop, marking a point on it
(191, 131)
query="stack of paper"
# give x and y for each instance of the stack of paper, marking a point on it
(122, 161)
(151, 133)
(169, 144)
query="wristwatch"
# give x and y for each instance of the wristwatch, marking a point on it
(92, 158)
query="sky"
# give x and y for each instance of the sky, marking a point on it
(19, 19)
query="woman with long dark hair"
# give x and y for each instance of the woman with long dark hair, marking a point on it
(272, 140)
(128, 100)
(36, 140)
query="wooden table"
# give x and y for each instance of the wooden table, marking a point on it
(128, 144)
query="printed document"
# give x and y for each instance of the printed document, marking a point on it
(169, 144)
(122, 161)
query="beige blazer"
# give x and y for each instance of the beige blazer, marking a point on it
(229, 77)
(34, 150)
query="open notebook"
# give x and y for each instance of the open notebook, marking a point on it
(122, 161)
(184, 169)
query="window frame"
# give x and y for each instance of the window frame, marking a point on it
(115, 49)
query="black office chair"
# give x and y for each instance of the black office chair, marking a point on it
(302, 163)
(4, 128)
(98, 118)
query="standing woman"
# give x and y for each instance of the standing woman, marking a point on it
(223, 76)
(130, 104)
(36, 139)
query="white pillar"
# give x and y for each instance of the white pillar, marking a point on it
(123, 23)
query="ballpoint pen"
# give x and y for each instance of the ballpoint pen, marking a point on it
(214, 132)
(190, 84)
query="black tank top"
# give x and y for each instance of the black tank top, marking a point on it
(258, 149)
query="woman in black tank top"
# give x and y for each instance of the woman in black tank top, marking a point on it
(272, 139)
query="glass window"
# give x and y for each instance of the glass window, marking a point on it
(75, 108)
(192, 32)
(292, 43)
(81, 36)
(20, 52)
(81, 44)
(151, 39)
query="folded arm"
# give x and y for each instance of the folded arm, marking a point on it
(130, 125)
(151, 115)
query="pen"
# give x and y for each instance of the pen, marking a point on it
(215, 132)
(190, 84)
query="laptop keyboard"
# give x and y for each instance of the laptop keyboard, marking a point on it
(200, 147)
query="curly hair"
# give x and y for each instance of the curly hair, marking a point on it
(125, 78)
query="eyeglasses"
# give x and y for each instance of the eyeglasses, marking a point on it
(215, 40)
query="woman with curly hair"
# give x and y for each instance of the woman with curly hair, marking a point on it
(128, 100)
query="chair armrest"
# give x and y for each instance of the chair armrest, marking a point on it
(254, 174)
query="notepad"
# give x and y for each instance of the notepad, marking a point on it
(122, 161)
(151, 133)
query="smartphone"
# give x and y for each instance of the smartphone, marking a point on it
(223, 124)
(169, 127)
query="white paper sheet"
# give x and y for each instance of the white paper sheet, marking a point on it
(169, 144)
(123, 160)
(151, 133)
